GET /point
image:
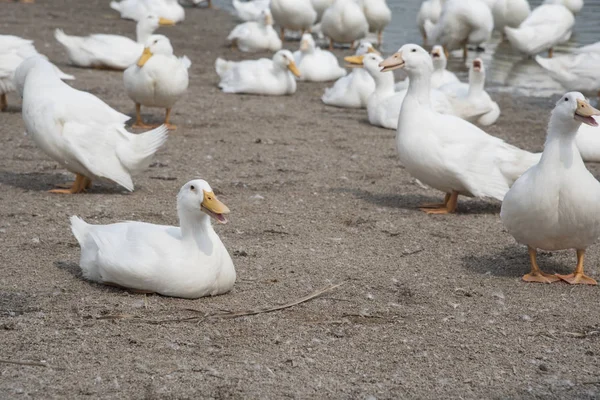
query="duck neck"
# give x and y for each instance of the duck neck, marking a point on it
(197, 229)
(560, 147)
(419, 86)
(476, 83)
(384, 83)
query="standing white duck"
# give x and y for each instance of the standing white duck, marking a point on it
(138, 9)
(354, 89)
(81, 132)
(378, 16)
(13, 51)
(294, 15)
(158, 79)
(429, 10)
(383, 106)
(188, 261)
(546, 26)
(263, 76)
(556, 204)
(109, 51)
(314, 64)
(462, 22)
(250, 10)
(256, 35)
(471, 101)
(509, 13)
(445, 152)
(573, 5)
(344, 22)
(577, 71)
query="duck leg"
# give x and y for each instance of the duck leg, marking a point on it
(465, 52)
(139, 123)
(437, 205)
(536, 274)
(352, 46)
(3, 102)
(168, 125)
(282, 34)
(578, 277)
(550, 52)
(210, 4)
(380, 38)
(330, 44)
(80, 184)
(449, 207)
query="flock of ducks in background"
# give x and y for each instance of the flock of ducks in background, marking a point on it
(549, 201)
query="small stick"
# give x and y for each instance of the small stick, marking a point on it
(31, 363)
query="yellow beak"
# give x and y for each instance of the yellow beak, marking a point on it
(213, 207)
(164, 21)
(391, 63)
(145, 57)
(585, 113)
(304, 45)
(354, 61)
(372, 50)
(294, 69)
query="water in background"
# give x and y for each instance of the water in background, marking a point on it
(507, 70)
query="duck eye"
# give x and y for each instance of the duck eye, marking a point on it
(566, 99)
(413, 50)
(192, 187)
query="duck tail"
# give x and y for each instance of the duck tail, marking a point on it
(515, 161)
(222, 66)
(80, 229)
(115, 5)
(137, 152)
(187, 63)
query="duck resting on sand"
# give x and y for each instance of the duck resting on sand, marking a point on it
(555, 205)
(445, 152)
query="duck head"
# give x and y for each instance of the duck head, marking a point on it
(574, 107)
(307, 44)
(285, 60)
(410, 57)
(147, 25)
(266, 17)
(369, 62)
(365, 47)
(156, 44)
(439, 57)
(196, 199)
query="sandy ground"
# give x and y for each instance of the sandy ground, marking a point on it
(431, 306)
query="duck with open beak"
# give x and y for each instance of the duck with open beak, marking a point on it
(214, 208)
(585, 113)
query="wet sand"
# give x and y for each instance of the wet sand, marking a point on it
(431, 306)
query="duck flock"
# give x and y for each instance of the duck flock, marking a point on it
(550, 200)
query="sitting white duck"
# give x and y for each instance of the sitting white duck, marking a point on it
(383, 106)
(461, 23)
(378, 16)
(139, 9)
(555, 205)
(440, 76)
(344, 22)
(80, 131)
(430, 10)
(250, 10)
(158, 79)
(572, 5)
(109, 51)
(188, 261)
(263, 76)
(546, 26)
(13, 51)
(354, 89)
(576, 71)
(588, 142)
(294, 15)
(256, 35)
(471, 101)
(445, 152)
(314, 64)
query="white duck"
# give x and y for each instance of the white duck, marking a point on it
(590, 48)
(158, 79)
(577, 71)
(573, 5)
(344, 22)
(314, 64)
(383, 106)
(462, 22)
(295, 15)
(250, 10)
(556, 204)
(354, 89)
(546, 26)
(109, 51)
(378, 16)
(445, 152)
(588, 143)
(471, 101)
(262, 76)
(13, 51)
(256, 35)
(509, 13)
(188, 260)
(440, 76)
(139, 9)
(429, 10)
(320, 6)
(80, 131)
